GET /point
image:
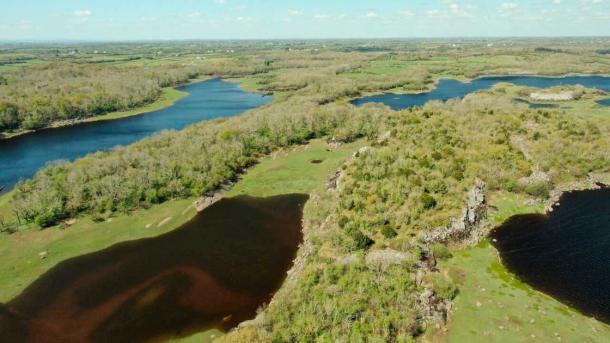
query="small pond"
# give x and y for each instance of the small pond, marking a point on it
(565, 253)
(212, 273)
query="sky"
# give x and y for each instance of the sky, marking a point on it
(33, 20)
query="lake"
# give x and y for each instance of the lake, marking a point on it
(565, 253)
(449, 89)
(22, 156)
(604, 102)
(212, 273)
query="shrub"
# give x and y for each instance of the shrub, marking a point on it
(388, 232)
(441, 251)
(538, 189)
(443, 287)
(428, 201)
(361, 240)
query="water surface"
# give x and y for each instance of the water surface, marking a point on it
(22, 156)
(566, 253)
(604, 102)
(449, 89)
(213, 272)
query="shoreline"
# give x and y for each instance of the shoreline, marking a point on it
(168, 97)
(469, 81)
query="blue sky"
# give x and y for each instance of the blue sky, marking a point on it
(244, 19)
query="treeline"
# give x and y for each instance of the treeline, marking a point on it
(36, 97)
(171, 165)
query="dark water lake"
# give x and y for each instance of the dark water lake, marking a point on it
(22, 156)
(449, 89)
(566, 253)
(213, 272)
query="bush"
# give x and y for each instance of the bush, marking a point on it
(538, 189)
(441, 251)
(428, 201)
(443, 287)
(510, 185)
(362, 241)
(388, 232)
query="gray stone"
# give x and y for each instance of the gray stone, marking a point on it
(385, 258)
(461, 228)
(207, 201)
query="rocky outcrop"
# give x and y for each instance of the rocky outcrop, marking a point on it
(207, 201)
(362, 151)
(536, 177)
(559, 96)
(461, 229)
(385, 258)
(433, 308)
(334, 182)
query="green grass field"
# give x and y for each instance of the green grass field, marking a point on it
(21, 263)
(493, 305)
(291, 171)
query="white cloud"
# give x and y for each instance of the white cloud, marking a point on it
(321, 16)
(83, 13)
(371, 15)
(194, 15)
(557, 2)
(509, 6)
(407, 13)
(220, 2)
(436, 13)
(294, 13)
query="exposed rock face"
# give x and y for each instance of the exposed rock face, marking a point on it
(434, 309)
(461, 229)
(334, 143)
(385, 258)
(206, 202)
(334, 181)
(536, 177)
(347, 260)
(361, 151)
(560, 96)
(384, 137)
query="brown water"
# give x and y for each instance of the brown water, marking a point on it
(213, 272)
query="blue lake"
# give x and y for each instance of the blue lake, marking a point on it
(22, 156)
(605, 102)
(449, 89)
